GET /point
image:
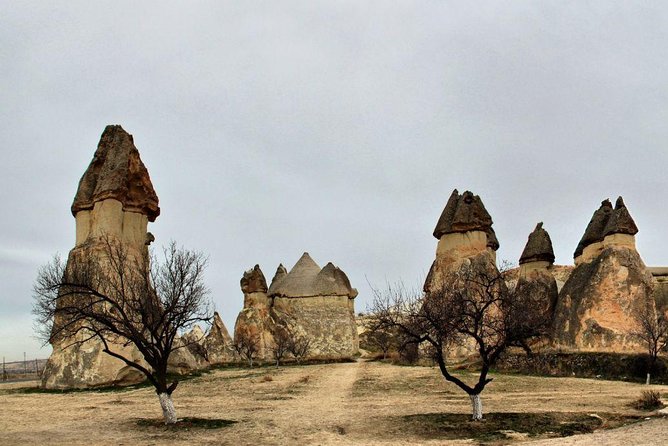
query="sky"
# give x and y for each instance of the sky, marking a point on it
(338, 128)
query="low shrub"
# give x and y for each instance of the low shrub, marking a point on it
(649, 400)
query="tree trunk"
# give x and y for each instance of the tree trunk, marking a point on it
(476, 404)
(648, 379)
(168, 411)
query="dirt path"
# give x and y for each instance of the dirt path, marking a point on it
(322, 415)
(364, 403)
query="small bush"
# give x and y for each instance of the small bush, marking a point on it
(649, 400)
(267, 378)
(305, 379)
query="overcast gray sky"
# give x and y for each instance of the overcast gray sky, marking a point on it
(337, 128)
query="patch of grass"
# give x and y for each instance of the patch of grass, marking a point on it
(649, 400)
(502, 426)
(185, 423)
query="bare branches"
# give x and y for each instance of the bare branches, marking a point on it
(473, 310)
(120, 296)
(652, 331)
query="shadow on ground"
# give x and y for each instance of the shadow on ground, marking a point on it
(505, 426)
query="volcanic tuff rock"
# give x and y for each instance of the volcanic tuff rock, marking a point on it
(596, 305)
(596, 227)
(464, 213)
(117, 172)
(218, 343)
(464, 230)
(536, 285)
(253, 281)
(310, 302)
(115, 199)
(538, 247)
(255, 318)
(620, 221)
(610, 283)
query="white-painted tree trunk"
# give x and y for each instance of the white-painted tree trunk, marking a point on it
(476, 405)
(168, 411)
(647, 380)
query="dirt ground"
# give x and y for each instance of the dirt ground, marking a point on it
(364, 403)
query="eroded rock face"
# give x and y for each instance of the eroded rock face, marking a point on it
(253, 281)
(115, 199)
(536, 284)
(117, 172)
(464, 230)
(311, 302)
(218, 343)
(596, 305)
(255, 318)
(538, 247)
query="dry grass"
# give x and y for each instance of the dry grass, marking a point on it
(350, 403)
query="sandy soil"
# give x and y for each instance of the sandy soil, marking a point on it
(355, 403)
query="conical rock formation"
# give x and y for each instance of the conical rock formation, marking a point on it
(116, 200)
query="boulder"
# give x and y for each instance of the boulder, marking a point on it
(538, 247)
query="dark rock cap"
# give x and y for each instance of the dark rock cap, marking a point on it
(620, 221)
(117, 172)
(538, 247)
(307, 279)
(281, 272)
(596, 227)
(253, 281)
(463, 213)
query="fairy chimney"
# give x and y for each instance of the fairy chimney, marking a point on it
(115, 199)
(464, 231)
(610, 283)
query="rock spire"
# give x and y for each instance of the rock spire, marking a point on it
(117, 172)
(538, 247)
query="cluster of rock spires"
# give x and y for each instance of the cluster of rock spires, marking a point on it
(591, 305)
(116, 199)
(309, 301)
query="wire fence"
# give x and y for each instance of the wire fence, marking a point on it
(28, 369)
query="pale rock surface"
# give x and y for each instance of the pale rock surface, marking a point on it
(218, 342)
(115, 198)
(595, 308)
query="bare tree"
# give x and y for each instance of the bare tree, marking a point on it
(381, 338)
(123, 297)
(247, 344)
(299, 346)
(281, 345)
(473, 308)
(652, 330)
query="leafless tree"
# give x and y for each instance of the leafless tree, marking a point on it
(652, 330)
(281, 345)
(299, 346)
(473, 308)
(247, 344)
(122, 297)
(382, 338)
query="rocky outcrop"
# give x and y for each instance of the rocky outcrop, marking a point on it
(115, 199)
(218, 343)
(254, 319)
(319, 305)
(464, 231)
(607, 227)
(536, 285)
(610, 283)
(309, 301)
